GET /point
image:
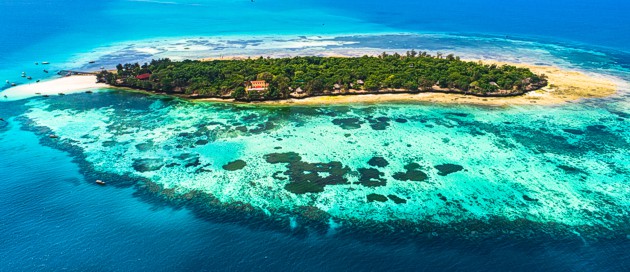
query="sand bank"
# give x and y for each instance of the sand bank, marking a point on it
(65, 85)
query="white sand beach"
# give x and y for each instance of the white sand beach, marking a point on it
(65, 85)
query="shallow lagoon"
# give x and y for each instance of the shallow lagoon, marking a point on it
(560, 171)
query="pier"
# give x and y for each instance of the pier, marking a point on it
(74, 73)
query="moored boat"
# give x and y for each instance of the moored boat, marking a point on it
(100, 182)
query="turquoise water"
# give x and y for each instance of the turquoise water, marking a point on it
(212, 186)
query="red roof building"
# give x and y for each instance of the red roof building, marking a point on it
(143, 76)
(257, 85)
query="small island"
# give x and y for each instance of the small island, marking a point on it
(264, 79)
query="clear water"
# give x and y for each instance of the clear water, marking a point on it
(539, 187)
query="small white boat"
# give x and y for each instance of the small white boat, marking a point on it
(100, 182)
(13, 84)
(45, 62)
(7, 81)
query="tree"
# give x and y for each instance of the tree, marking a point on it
(314, 87)
(238, 93)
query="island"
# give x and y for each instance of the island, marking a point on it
(264, 79)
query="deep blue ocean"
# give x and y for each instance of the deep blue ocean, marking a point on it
(53, 218)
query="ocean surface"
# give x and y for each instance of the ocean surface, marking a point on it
(402, 187)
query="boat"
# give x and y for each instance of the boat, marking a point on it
(45, 62)
(53, 136)
(92, 61)
(88, 92)
(7, 81)
(46, 71)
(13, 84)
(29, 78)
(102, 68)
(62, 94)
(100, 182)
(45, 95)
(36, 63)
(37, 81)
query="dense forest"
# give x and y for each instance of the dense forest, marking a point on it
(311, 76)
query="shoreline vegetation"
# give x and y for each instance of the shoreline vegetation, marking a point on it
(563, 86)
(280, 79)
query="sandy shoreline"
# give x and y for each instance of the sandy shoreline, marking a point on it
(564, 86)
(65, 85)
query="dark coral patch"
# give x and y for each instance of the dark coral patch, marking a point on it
(379, 123)
(378, 162)
(235, 165)
(573, 131)
(401, 120)
(201, 142)
(313, 177)
(189, 159)
(458, 114)
(288, 157)
(371, 177)
(348, 123)
(319, 173)
(262, 127)
(571, 170)
(397, 199)
(303, 187)
(527, 198)
(412, 173)
(108, 143)
(442, 197)
(147, 165)
(376, 197)
(308, 177)
(277, 176)
(144, 146)
(596, 128)
(249, 117)
(448, 168)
